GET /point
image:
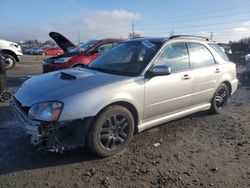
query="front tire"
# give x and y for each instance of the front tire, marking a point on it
(220, 99)
(5, 96)
(112, 131)
(10, 61)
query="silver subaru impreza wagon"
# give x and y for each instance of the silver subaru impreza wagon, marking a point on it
(137, 85)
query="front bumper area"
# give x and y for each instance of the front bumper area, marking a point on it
(19, 57)
(50, 136)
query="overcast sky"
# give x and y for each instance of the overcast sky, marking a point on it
(95, 19)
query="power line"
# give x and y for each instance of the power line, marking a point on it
(155, 22)
(197, 18)
(163, 29)
(211, 36)
(214, 11)
(192, 31)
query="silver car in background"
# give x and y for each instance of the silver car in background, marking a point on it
(137, 85)
(247, 70)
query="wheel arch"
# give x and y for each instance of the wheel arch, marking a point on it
(130, 107)
(11, 53)
(229, 86)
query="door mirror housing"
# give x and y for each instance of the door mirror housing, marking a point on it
(160, 70)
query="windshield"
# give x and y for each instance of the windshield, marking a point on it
(128, 58)
(85, 46)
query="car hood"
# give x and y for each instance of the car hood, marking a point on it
(60, 84)
(62, 41)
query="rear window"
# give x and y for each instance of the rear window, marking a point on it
(220, 51)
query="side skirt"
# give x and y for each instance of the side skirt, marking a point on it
(171, 117)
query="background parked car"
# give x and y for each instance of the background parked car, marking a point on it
(74, 55)
(226, 48)
(51, 51)
(12, 52)
(239, 51)
(247, 70)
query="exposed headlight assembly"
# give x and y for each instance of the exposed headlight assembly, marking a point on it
(46, 111)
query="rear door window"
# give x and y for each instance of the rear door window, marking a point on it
(200, 56)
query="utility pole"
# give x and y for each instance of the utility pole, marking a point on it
(78, 35)
(211, 36)
(132, 34)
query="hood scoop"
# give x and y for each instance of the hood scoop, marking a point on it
(66, 76)
(72, 74)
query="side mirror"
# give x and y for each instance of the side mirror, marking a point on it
(160, 70)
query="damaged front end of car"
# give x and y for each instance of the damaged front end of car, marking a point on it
(50, 135)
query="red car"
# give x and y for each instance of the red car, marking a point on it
(51, 51)
(76, 55)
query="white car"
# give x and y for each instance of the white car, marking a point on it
(12, 52)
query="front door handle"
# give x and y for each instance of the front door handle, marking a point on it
(217, 70)
(186, 77)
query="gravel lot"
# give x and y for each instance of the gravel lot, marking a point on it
(201, 150)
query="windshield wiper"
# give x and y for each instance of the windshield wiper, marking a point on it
(96, 69)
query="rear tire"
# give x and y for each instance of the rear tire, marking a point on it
(220, 99)
(10, 61)
(112, 131)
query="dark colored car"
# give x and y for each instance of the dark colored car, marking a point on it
(239, 51)
(76, 55)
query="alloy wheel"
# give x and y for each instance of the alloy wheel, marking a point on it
(114, 131)
(8, 62)
(221, 98)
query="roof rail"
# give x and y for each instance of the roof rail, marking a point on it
(189, 36)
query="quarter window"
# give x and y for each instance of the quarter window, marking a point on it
(174, 56)
(220, 51)
(199, 55)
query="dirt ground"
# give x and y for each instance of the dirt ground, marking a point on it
(201, 150)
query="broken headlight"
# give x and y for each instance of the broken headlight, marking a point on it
(45, 111)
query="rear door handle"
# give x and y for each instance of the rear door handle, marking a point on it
(186, 77)
(217, 70)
